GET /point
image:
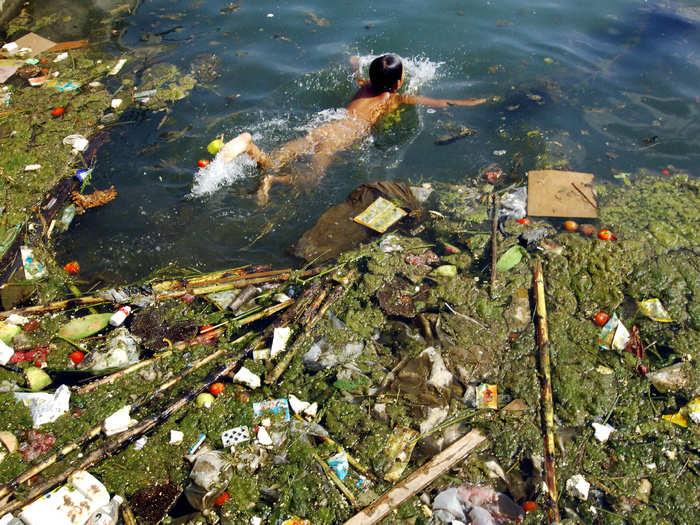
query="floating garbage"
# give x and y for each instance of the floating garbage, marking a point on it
(236, 435)
(398, 451)
(475, 504)
(271, 411)
(380, 215)
(118, 422)
(209, 477)
(655, 311)
(339, 464)
(614, 335)
(487, 396)
(77, 142)
(71, 504)
(602, 431)
(45, 407)
(578, 487)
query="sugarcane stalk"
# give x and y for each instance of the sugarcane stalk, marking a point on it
(55, 306)
(286, 360)
(335, 479)
(546, 380)
(172, 284)
(270, 310)
(111, 378)
(95, 430)
(127, 514)
(494, 244)
(127, 436)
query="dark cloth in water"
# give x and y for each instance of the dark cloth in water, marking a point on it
(335, 231)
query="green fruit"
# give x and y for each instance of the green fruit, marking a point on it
(84, 326)
(204, 400)
(36, 378)
(214, 146)
(8, 331)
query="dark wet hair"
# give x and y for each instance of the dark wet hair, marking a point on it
(385, 71)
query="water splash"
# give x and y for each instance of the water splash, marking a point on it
(218, 174)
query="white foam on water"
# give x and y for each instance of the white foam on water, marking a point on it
(218, 174)
(419, 70)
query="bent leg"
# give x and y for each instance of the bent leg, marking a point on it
(262, 194)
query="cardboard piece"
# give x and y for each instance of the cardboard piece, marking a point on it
(552, 193)
(36, 43)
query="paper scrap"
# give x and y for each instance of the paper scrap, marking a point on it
(380, 215)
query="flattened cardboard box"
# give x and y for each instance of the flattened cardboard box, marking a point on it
(552, 193)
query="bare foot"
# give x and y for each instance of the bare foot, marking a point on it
(234, 147)
(262, 195)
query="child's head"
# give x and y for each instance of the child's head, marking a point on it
(385, 72)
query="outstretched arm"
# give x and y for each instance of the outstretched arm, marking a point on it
(441, 102)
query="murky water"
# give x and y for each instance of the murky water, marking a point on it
(594, 79)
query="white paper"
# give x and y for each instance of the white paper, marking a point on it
(45, 407)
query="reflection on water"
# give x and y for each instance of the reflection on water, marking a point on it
(583, 84)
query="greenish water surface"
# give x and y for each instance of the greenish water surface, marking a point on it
(608, 86)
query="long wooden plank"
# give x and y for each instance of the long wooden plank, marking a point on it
(418, 479)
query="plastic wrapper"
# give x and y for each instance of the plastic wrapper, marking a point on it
(339, 464)
(487, 396)
(655, 311)
(45, 407)
(514, 204)
(398, 450)
(613, 335)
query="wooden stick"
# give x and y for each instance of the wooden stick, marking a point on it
(494, 244)
(547, 401)
(419, 479)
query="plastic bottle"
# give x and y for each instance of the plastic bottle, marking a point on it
(107, 515)
(118, 317)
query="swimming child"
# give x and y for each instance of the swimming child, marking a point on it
(376, 97)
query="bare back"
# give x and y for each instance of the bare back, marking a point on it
(363, 112)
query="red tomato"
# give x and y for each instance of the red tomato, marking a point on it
(601, 318)
(606, 235)
(570, 226)
(77, 356)
(665, 172)
(216, 388)
(58, 112)
(222, 498)
(203, 163)
(529, 506)
(72, 267)
(524, 220)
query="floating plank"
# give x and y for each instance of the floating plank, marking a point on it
(418, 480)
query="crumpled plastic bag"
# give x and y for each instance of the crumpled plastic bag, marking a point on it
(476, 505)
(121, 350)
(77, 142)
(514, 204)
(45, 407)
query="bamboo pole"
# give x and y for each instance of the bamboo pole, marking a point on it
(335, 479)
(95, 430)
(333, 296)
(546, 380)
(419, 479)
(494, 244)
(55, 306)
(125, 437)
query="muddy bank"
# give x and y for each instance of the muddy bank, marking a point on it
(403, 334)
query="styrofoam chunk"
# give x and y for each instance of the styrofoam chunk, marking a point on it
(247, 378)
(117, 422)
(176, 437)
(578, 487)
(264, 437)
(602, 432)
(297, 404)
(311, 410)
(279, 340)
